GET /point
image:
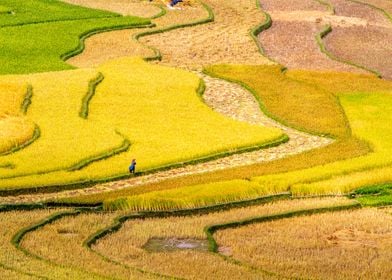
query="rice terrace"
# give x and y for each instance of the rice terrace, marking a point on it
(195, 139)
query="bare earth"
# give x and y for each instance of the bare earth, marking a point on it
(291, 38)
(368, 45)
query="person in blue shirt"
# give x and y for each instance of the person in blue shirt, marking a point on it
(132, 167)
(173, 3)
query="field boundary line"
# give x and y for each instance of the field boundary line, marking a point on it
(92, 86)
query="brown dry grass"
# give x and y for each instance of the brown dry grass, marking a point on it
(126, 244)
(368, 46)
(115, 44)
(10, 224)
(383, 4)
(225, 40)
(342, 245)
(63, 241)
(299, 51)
(138, 8)
(352, 9)
(293, 5)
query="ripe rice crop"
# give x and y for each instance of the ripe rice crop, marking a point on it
(15, 129)
(159, 113)
(368, 122)
(126, 244)
(338, 245)
(66, 139)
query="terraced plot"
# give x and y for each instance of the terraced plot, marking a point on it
(326, 246)
(64, 239)
(19, 262)
(305, 19)
(126, 245)
(119, 126)
(362, 119)
(365, 45)
(111, 45)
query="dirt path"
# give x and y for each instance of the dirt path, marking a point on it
(231, 100)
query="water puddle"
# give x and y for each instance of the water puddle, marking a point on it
(175, 244)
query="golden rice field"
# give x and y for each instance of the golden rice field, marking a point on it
(140, 80)
(162, 125)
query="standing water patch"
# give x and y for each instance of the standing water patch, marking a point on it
(175, 244)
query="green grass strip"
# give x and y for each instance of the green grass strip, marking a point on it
(27, 100)
(157, 54)
(319, 38)
(160, 14)
(92, 86)
(375, 195)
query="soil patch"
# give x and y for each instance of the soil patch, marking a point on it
(299, 51)
(175, 244)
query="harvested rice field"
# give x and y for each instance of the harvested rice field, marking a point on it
(323, 246)
(204, 139)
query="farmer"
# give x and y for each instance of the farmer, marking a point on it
(172, 3)
(132, 166)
